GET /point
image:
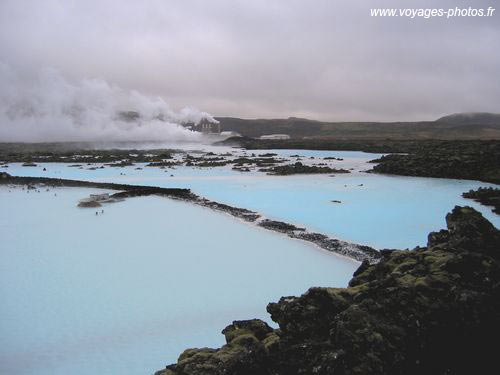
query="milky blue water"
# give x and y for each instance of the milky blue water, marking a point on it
(127, 291)
(377, 210)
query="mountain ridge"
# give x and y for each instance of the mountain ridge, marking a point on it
(456, 126)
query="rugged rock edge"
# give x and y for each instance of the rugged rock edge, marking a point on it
(432, 310)
(486, 196)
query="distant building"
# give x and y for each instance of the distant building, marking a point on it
(206, 126)
(275, 136)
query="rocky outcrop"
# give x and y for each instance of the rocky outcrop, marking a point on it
(460, 160)
(299, 168)
(431, 310)
(262, 161)
(249, 343)
(485, 196)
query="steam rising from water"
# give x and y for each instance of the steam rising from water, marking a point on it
(50, 108)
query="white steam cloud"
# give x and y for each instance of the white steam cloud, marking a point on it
(50, 108)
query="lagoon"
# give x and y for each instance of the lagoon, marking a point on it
(376, 210)
(128, 290)
(125, 292)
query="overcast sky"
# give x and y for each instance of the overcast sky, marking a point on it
(321, 59)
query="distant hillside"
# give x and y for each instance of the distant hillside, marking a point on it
(255, 128)
(472, 118)
(458, 126)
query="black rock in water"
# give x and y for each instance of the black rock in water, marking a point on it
(299, 168)
(486, 196)
(279, 226)
(431, 310)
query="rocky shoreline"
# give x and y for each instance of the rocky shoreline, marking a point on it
(471, 160)
(459, 160)
(299, 168)
(351, 250)
(486, 196)
(431, 310)
(354, 251)
(170, 159)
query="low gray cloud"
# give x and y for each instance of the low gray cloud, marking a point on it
(321, 59)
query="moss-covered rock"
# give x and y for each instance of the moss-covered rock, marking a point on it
(245, 353)
(255, 327)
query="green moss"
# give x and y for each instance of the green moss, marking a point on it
(270, 341)
(407, 280)
(408, 264)
(189, 353)
(231, 335)
(421, 283)
(246, 339)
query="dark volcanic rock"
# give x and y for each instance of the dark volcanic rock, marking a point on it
(248, 346)
(241, 213)
(90, 204)
(299, 168)
(72, 153)
(255, 327)
(461, 160)
(279, 226)
(259, 162)
(129, 190)
(332, 158)
(432, 310)
(267, 155)
(351, 250)
(209, 163)
(163, 164)
(486, 196)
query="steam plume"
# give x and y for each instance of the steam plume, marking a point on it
(50, 108)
